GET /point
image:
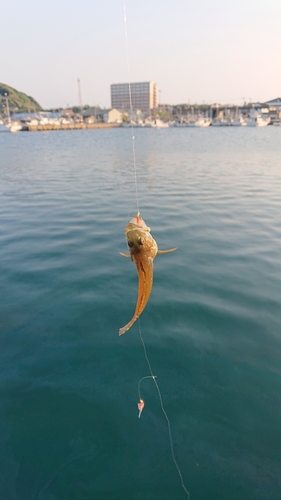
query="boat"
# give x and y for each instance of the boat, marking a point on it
(257, 121)
(3, 127)
(216, 123)
(12, 126)
(139, 124)
(206, 123)
(179, 124)
(159, 124)
(129, 124)
(147, 123)
(15, 126)
(43, 120)
(54, 121)
(239, 122)
(203, 122)
(191, 119)
(221, 123)
(133, 123)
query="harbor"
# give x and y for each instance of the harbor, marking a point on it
(44, 125)
(113, 118)
(140, 113)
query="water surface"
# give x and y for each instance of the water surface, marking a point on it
(212, 325)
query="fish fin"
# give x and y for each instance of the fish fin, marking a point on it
(125, 254)
(127, 326)
(167, 251)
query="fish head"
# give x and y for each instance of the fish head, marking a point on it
(135, 238)
(138, 236)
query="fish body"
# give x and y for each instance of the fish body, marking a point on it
(143, 250)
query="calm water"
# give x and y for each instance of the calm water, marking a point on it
(69, 426)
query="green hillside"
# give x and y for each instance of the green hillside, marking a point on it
(18, 101)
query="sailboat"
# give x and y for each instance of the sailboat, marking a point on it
(203, 122)
(257, 121)
(13, 126)
(239, 122)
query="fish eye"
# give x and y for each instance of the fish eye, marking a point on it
(140, 242)
(130, 244)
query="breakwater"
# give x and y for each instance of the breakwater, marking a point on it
(67, 126)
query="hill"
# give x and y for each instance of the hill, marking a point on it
(18, 101)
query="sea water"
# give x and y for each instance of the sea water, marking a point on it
(212, 327)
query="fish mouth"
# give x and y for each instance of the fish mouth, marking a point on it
(139, 222)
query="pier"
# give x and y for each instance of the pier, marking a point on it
(67, 126)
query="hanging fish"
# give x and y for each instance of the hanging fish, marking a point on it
(143, 250)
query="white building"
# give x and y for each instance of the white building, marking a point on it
(112, 116)
(274, 107)
(144, 96)
(93, 115)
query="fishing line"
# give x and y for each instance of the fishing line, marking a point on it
(131, 109)
(141, 403)
(163, 410)
(148, 376)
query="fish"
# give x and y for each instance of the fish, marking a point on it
(143, 250)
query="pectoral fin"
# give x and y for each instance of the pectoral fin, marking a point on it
(125, 254)
(167, 251)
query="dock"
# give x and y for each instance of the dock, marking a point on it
(67, 126)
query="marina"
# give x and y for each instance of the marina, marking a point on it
(201, 122)
(161, 116)
(114, 119)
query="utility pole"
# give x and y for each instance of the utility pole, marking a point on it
(79, 95)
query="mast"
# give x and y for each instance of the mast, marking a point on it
(8, 109)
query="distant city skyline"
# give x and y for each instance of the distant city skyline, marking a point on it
(196, 51)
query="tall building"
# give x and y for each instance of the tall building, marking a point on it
(144, 96)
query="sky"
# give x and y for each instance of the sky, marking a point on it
(225, 51)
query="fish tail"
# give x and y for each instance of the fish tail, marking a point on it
(127, 326)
